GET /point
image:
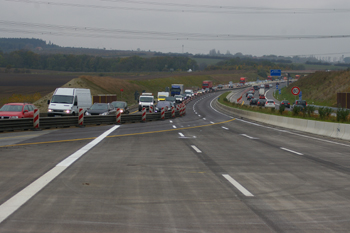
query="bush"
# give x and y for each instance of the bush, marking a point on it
(273, 110)
(296, 110)
(324, 112)
(328, 112)
(282, 108)
(310, 110)
(342, 114)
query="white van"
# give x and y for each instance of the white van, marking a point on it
(146, 100)
(67, 101)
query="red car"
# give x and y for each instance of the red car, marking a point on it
(17, 110)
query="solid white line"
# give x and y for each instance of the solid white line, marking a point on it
(15, 202)
(224, 128)
(174, 126)
(291, 151)
(196, 149)
(238, 185)
(181, 135)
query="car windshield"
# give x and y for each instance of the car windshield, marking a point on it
(178, 96)
(163, 104)
(11, 108)
(170, 98)
(62, 99)
(118, 104)
(146, 99)
(99, 107)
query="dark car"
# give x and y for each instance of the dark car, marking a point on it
(163, 104)
(250, 96)
(301, 102)
(285, 103)
(253, 102)
(171, 99)
(249, 92)
(122, 105)
(102, 109)
(17, 110)
(261, 102)
(256, 87)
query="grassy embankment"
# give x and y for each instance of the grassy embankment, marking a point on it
(320, 88)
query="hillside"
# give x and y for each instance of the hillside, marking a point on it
(322, 87)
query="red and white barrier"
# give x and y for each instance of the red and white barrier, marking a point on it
(143, 114)
(118, 116)
(151, 109)
(162, 114)
(172, 111)
(81, 117)
(181, 109)
(36, 119)
(184, 110)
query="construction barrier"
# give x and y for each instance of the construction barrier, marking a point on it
(172, 112)
(143, 114)
(36, 119)
(118, 116)
(184, 110)
(81, 117)
(151, 109)
(162, 114)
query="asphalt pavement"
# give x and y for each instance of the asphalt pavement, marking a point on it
(204, 172)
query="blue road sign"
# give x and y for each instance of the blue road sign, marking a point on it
(276, 86)
(275, 72)
(300, 94)
(279, 91)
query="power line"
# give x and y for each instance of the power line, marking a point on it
(186, 8)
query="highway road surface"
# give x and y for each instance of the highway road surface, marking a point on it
(204, 172)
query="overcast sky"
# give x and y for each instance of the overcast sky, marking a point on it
(254, 27)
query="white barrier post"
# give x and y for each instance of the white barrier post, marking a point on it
(151, 109)
(36, 119)
(81, 117)
(118, 116)
(162, 114)
(143, 114)
(172, 111)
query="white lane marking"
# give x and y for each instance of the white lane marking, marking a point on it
(238, 185)
(248, 136)
(217, 110)
(212, 122)
(196, 149)
(174, 126)
(301, 135)
(204, 119)
(291, 151)
(224, 127)
(15, 202)
(199, 115)
(171, 121)
(181, 135)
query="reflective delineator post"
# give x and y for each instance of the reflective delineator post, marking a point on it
(151, 109)
(36, 119)
(143, 114)
(118, 116)
(81, 117)
(162, 114)
(172, 111)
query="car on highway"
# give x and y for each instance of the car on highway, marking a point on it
(179, 98)
(17, 110)
(249, 92)
(270, 104)
(171, 99)
(253, 102)
(102, 109)
(250, 96)
(122, 105)
(300, 103)
(256, 87)
(261, 102)
(285, 103)
(163, 104)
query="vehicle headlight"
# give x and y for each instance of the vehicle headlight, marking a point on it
(67, 111)
(49, 110)
(13, 117)
(121, 110)
(104, 114)
(87, 114)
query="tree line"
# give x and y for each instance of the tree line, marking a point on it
(24, 59)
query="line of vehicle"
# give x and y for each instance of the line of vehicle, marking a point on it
(15, 202)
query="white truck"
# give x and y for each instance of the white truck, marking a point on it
(162, 95)
(67, 101)
(146, 100)
(189, 93)
(261, 93)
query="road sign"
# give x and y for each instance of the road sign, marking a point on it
(275, 72)
(295, 90)
(279, 91)
(276, 86)
(300, 94)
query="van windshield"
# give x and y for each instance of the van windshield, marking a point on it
(62, 99)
